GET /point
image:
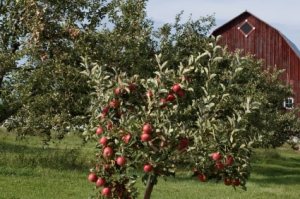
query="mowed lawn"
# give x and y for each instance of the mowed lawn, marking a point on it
(29, 171)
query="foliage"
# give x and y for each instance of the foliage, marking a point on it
(42, 89)
(41, 85)
(272, 125)
(206, 124)
(180, 40)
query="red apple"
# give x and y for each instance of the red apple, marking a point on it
(92, 177)
(118, 91)
(227, 181)
(114, 103)
(121, 161)
(145, 137)
(163, 102)
(216, 156)
(183, 144)
(229, 160)
(106, 191)
(171, 97)
(181, 93)
(147, 128)
(99, 130)
(107, 152)
(126, 138)
(132, 87)
(236, 182)
(148, 168)
(106, 167)
(100, 182)
(103, 141)
(202, 177)
(104, 111)
(219, 165)
(176, 88)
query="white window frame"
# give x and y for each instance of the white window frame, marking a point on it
(285, 103)
(246, 21)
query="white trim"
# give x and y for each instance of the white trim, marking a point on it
(246, 21)
(285, 105)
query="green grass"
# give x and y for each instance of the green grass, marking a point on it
(28, 171)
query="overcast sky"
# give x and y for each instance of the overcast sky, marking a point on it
(284, 15)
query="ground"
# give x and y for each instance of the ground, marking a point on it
(28, 170)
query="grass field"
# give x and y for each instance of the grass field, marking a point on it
(28, 171)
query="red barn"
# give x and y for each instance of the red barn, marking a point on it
(254, 36)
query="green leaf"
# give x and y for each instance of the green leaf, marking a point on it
(85, 73)
(238, 69)
(164, 65)
(217, 59)
(212, 76)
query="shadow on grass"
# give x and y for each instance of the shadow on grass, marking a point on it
(15, 148)
(276, 170)
(20, 156)
(268, 168)
(273, 158)
(279, 180)
(23, 172)
(17, 159)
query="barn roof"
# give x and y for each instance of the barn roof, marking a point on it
(291, 44)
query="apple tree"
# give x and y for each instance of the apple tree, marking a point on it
(179, 116)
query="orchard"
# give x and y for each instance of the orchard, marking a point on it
(176, 118)
(154, 100)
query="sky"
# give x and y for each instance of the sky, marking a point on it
(284, 15)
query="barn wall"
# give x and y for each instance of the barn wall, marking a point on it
(265, 43)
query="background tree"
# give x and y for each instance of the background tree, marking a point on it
(41, 44)
(272, 124)
(41, 87)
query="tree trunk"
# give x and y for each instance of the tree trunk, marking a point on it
(149, 186)
(6, 113)
(1, 76)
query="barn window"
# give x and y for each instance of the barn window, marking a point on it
(288, 103)
(246, 28)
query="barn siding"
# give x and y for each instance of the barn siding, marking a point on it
(265, 43)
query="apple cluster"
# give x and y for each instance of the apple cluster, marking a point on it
(168, 121)
(220, 165)
(118, 146)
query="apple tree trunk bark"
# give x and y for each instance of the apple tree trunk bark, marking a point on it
(149, 187)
